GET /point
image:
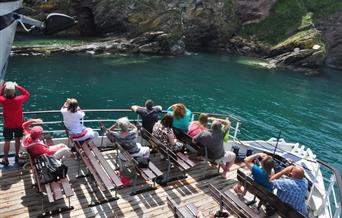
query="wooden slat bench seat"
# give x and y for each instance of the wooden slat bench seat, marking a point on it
(103, 174)
(182, 211)
(232, 203)
(55, 190)
(266, 197)
(150, 173)
(181, 160)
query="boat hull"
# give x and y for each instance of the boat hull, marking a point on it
(7, 35)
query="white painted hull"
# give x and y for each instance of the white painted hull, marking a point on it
(7, 36)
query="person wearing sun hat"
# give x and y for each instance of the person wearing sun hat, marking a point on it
(35, 146)
(13, 116)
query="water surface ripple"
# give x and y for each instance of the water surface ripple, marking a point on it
(307, 109)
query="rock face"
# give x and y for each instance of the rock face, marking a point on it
(283, 31)
(332, 33)
(148, 43)
(252, 11)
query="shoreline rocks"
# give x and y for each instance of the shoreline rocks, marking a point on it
(299, 35)
(158, 43)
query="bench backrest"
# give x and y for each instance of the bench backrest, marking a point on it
(156, 143)
(232, 203)
(185, 211)
(266, 196)
(186, 139)
(147, 173)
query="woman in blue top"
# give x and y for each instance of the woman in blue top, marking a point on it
(261, 175)
(181, 115)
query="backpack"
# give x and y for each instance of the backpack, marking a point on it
(143, 162)
(49, 169)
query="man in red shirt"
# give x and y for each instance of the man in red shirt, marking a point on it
(13, 116)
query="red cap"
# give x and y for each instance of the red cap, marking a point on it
(36, 132)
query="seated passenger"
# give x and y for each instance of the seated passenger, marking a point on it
(149, 114)
(35, 146)
(213, 140)
(181, 116)
(196, 127)
(72, 117)
(162, 130)
(261, 175)
(128, 138)
(292, 190)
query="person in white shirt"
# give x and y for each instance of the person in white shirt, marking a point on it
(73, 121)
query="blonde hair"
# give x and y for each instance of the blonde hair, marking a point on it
(203, 119)
(72, 105)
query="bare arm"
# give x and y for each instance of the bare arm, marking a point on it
(249, 160)
(159, 107)
(135, 108)
(25, 94)
(113, 127)
(2, 89)
(223, 121)
(26, 125)
(285, 171)
(132, 126)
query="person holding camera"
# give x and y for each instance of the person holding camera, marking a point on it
(13, 117)
(261, 174)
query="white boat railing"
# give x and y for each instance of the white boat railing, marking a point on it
(333, 194)
(56, 127)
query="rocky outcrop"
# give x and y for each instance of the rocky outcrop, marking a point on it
(332, 34)
(286, 32)
(149, 43)
(252, 11)
(306, 60)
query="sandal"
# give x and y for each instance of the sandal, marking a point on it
(4, 162)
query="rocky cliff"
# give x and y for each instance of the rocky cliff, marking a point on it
(302, 34)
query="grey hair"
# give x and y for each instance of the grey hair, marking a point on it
(123, 123)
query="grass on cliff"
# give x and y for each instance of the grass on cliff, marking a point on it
(289, 17)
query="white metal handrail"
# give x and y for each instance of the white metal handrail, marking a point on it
(224, 116)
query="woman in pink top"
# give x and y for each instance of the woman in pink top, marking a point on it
(196, 127)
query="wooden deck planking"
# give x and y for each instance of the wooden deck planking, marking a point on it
(21, 199)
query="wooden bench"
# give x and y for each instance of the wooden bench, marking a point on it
(182, 211)
(182, 161)
(103, 174)
(266, 197)
(232, 203)
(151, 173)
(55, 190)
(201, 149)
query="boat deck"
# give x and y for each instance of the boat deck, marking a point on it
(18, 198)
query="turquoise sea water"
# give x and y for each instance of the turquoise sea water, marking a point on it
(307, 109)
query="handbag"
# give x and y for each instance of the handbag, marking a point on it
(142, 161)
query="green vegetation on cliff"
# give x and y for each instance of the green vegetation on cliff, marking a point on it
(290, 20)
